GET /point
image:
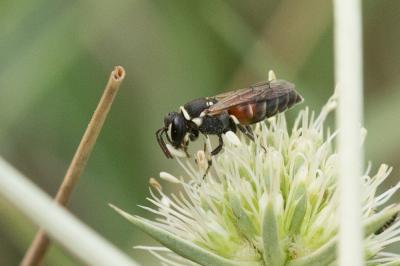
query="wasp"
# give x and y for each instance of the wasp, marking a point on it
(225, 113)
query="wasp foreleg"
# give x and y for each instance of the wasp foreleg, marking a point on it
(185, 150)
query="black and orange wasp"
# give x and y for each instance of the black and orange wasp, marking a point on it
(225, 113)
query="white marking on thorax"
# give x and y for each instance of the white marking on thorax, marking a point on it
(198, 121)
(185, 113)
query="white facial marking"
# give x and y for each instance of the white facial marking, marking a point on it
(175, 152)
(185, 113)
(233, 138)
(235, 120)
(202, 114)
(170, 131)
(198, 121)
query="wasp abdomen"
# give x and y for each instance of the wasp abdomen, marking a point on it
(282, 103)
(255, 112)
(248, 113)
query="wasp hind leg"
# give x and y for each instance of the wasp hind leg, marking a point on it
(249, 133)
(234, 124)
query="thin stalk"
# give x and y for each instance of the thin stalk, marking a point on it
(40, 243)
(348, 71)
(62, 226)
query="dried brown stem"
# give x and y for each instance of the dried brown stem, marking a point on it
(40, 243)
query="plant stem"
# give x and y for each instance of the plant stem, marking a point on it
(40, 243)
(348, 70)
(77, 238)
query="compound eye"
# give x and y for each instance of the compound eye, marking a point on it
(178, 130)
(167, 119)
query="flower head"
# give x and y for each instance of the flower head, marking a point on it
(269, 202)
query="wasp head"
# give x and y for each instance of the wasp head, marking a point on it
(175, 129)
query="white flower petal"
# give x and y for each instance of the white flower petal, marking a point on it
(294, 170)
(168, 177)
(233, 138)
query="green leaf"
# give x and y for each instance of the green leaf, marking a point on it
(299, 211)
(393, 263)
(243, 221)
(181, 246)
(322, 256)
(327, 253)
(273, 254)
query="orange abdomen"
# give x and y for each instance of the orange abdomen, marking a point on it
(249, 113)
(255, 112)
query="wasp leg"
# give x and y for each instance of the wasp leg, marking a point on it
(209, 161)
(213, 153)
(209, 164)
(247, 131)
(250, 131)
(219, 147)
(185, 150)
(248, 128)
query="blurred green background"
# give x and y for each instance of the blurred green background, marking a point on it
(55, 57)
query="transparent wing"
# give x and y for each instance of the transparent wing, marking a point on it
(258, 92)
